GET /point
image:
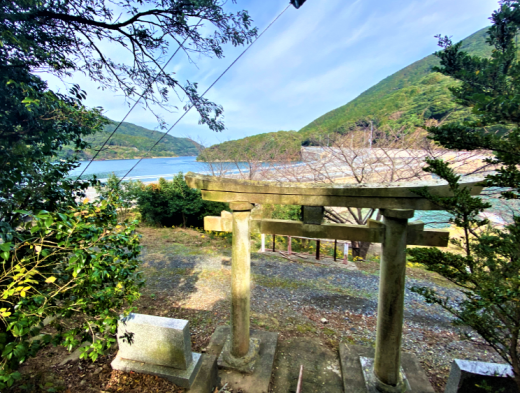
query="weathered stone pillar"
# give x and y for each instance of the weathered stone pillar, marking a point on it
(240, 351)
(387, 362)
(240, 278)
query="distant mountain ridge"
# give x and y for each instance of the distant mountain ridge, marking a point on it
(133, 141)
(406, 99)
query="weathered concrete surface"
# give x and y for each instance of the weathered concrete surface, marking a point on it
(370, 233)
(258, 381)
(245, 364)
(352, 373)
(390, 308)
(183, 378)
(465, 375)
(207, 378)
(373, 385)
(241, 206)
(399, 190)
(320, 200)
(155, 340)
(240, 283)
(373, 232)
(313, 214)
(321, 367)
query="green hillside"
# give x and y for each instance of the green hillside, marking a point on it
(408, 98)
(262, 146)
(133, 141)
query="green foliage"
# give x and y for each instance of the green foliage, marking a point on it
(77, 265)
(173, 203)
(59, 258)
(488, 268)
(65, 36)
(132, 141)
(282, 212)
(30, 178)
(74, 262)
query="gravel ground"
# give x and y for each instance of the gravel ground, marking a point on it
(292, 298)
(188, 276)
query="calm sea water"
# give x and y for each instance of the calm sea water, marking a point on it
(150, 169)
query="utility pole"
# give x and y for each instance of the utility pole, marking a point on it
(371, 134)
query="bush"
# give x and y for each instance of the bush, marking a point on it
(78, 266)
(173, 203)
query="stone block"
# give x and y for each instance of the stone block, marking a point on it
(465, 375)
(207, 378)
(182, 378)
(313, 214)
(241, 206)
(155, 340)
(353, 375)
(258, 381)
(373, 386)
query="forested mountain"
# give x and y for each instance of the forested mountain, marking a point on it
(264, 147)
(133, 141)
(409, 98)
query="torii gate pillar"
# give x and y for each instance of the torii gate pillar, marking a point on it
(387, 362)
(240, 351)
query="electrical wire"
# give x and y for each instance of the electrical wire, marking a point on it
(203, 94)
(161, 71)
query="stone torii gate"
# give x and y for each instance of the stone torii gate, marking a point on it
(396, 203)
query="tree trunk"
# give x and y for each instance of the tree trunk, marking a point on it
(360, 249)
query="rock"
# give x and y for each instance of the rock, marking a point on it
(155, 340)
(324, 320)
(465, 375)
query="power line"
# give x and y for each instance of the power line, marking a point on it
(161, 70)
(203, 94)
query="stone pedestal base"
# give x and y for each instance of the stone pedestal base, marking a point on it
(353, 376)
(244, 364)
(258, 380)
(182, 378)
(375, 386)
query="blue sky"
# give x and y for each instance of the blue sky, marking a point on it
(311, 61)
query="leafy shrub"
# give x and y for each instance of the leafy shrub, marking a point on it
(173, 203)
(78, 266)
(282, 212)
(59, 258)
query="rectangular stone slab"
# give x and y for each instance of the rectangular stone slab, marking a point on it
(155, 341)
(321, 200)
(465, 374)
(417, 235)
(182, 378)
(393, 190)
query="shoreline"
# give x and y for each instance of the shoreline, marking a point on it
(136, 158)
